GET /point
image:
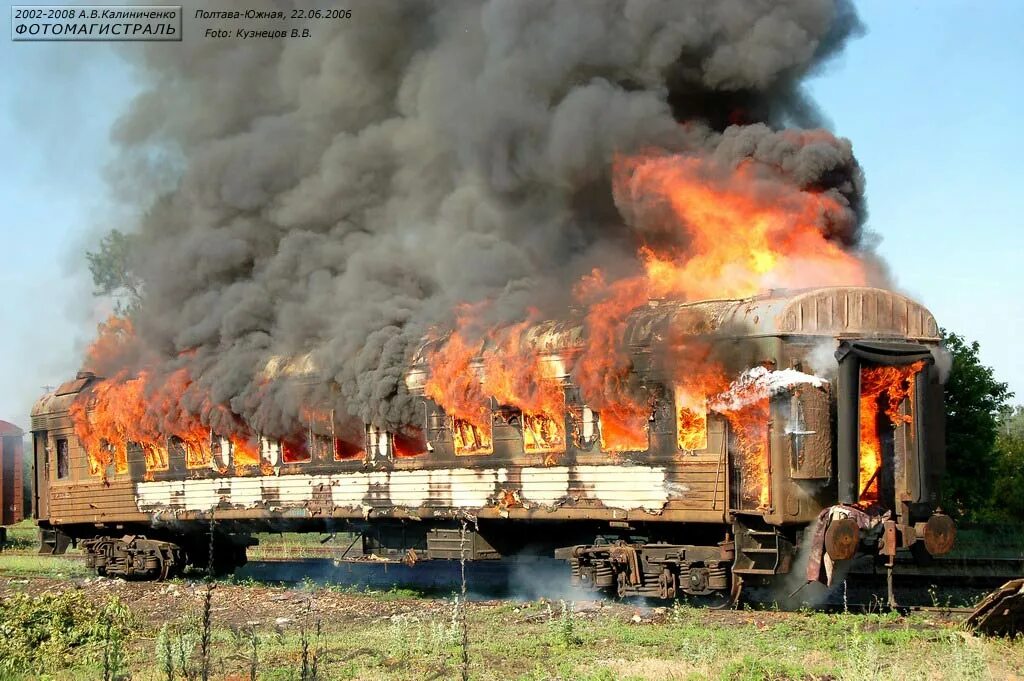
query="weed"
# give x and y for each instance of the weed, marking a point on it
(254, 642)
(564, 628)
(114, 654)
(165, 652)
(757, 668)
(53, 631)
(311, 651)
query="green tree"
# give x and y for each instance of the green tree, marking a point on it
(113, 272)
(1007, 500)
(974, 402)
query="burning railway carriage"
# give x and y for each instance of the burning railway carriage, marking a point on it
(833, 412)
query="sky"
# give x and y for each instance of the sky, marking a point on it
(930, 97)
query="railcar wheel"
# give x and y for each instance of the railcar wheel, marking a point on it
(621, 585)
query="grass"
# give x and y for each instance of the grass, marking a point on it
(536, 641)
(539, 641)
(303, 545)
(22, 537)
(42, 566)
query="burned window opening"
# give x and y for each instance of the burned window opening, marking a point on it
(540, 433)
(624, 431)
(470, 439)
(344, 450)
(157, 457)
(63, 462)
(409, 443)
(691, 422)
(295, 450)
(245, 453)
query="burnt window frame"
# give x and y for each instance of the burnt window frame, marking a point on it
(63, 472)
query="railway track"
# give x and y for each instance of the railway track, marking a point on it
(957, 580)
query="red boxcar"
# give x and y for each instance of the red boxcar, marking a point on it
(11, 506)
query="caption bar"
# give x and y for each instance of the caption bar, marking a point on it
(96, 22)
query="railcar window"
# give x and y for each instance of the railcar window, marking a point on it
(198, 455)
(623, 432)
(412, 442)
(471, 439)
(157, 457)
(344, 450)
(691, 421)
(295, 451)
(63, 464)
(544, 432)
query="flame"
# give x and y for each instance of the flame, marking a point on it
(890, 385)
(294, 450)
(708, 231)
(750, 426)
(515, 375)
(698, 378)
(691, 423)
(604, 371)
(470, 438)
(464, 374)
(119, 411)
(702, 229)
(454, 384)
(245, 451)
(345, 450)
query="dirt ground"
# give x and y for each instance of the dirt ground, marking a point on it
(403, 634)
(267, 605)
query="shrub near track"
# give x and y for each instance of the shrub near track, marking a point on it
(50, 632)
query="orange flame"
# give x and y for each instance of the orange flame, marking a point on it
(709, 231)
(888, 385)
(245, 451)
(454, 384)
(515, 375)
(750, 425)
(121, 411)
(464, 374)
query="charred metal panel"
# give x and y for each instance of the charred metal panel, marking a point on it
(856, 310)
(453, 544)
(932, 442)
(806, 434)
(848, 428)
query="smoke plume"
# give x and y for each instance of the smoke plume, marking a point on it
(338, 196)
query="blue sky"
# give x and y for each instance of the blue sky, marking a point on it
(931, 97)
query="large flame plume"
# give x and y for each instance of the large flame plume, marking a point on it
(709, 231)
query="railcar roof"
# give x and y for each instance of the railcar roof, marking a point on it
(846, 311)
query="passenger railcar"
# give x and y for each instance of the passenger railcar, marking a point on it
(659, 520)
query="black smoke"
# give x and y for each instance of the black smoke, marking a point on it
(339, 195)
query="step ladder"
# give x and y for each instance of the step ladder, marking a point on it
(53, 542)
(760, 552)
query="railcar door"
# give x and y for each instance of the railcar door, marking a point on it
(879, 446)
(41, 477)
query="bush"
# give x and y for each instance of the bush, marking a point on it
(54, 631)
